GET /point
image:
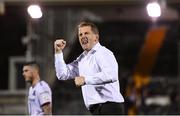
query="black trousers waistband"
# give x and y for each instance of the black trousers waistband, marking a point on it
(107, 108)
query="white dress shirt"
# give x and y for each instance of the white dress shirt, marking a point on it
(100, 69)
(38, 95)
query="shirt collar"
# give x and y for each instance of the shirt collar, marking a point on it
(95, 47)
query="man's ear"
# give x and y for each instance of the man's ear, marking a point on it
(97, 37)
(34, 71)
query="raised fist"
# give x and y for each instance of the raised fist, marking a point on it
(59, 45)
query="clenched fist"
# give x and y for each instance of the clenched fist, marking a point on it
(79, 81)
(59, 45)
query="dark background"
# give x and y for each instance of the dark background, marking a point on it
(124, 37)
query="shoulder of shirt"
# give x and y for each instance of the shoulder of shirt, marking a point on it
(102, 49)
(41, 86)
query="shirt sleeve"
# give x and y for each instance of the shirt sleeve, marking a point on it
(65, 71)
(108, 69)
(44, 97)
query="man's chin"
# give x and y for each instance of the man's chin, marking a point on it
(85, 48)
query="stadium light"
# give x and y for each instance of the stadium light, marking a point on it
(34, 11)
(153, 9)
(2, 7)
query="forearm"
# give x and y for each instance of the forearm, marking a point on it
(65, 71)
(101, 78)
(47, 109)
(60, 67)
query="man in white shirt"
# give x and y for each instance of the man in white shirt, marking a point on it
(40, 96)
(95, 71)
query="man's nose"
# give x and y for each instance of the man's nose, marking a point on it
(83, 35)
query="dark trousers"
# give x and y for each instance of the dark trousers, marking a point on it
(107, 108)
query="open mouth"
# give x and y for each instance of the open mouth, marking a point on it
(84, 40)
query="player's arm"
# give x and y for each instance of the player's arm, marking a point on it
(47, 108)
(44, 98)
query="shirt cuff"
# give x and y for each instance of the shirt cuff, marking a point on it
(88, 80)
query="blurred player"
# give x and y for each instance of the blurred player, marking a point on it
(40, 96)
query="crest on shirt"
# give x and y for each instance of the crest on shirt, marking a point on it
(45, 96)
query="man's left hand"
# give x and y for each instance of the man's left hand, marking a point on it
(79, 81)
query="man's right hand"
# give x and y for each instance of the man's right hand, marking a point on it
(59, 45)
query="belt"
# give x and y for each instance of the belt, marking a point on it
(101, 107)
(93, 107)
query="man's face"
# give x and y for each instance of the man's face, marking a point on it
(87, 38)
(28, 73)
